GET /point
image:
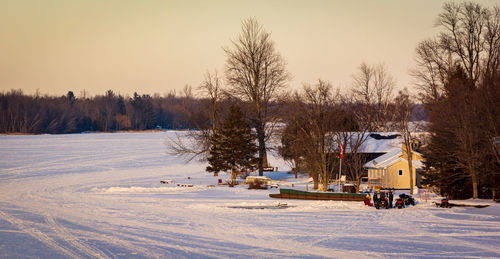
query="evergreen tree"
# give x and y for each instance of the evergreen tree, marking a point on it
(232, 146)
(455, 154)
(121, 105)
(143, 116)
(71, 97)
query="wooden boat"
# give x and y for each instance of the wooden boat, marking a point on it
(302, 195)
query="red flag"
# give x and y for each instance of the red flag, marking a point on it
(341, 150)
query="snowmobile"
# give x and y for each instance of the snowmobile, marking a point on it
(407, 199)
(400, 204)
(381, 200)
(444, 203)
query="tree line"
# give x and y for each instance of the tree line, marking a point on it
(21, 113)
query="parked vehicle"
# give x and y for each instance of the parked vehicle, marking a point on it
(444, 203)
(400, 204)
(407, 199)
(381, 200)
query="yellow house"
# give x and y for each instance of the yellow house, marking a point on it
(391, 170)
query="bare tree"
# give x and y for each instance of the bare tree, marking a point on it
(362, 90)
(432, 66)
(315, 120)
(384, 94)
(256, 73)
(198, 142)
(352, 141)
(470, 38)
(403, 105)
(212, 89)
(352, 133)
(373, 87)
(371, 101)
(492, 44)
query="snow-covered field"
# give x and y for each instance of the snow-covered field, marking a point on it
(99, 196)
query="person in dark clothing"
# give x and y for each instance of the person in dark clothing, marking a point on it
(390, 199)
(375, 199)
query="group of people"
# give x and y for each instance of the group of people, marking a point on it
(378, 196)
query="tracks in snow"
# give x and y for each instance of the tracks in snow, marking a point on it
(77, 249)
(37, 234)
(75, 242)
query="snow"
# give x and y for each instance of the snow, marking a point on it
(99, 195)
(385, 159)
(372, 145)
(391, 157)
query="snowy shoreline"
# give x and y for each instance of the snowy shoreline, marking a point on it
(99, 195)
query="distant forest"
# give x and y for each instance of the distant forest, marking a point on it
(22, 113)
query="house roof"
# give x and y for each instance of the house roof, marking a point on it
(381, 142)
(377, 142)
(390, 158)
(374, 142)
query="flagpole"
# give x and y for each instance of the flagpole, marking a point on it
(340, 167)
(340, 173)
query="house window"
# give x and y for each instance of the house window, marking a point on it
(400, 172)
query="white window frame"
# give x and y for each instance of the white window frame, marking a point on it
(400, 172)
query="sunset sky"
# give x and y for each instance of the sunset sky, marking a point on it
(158, 46)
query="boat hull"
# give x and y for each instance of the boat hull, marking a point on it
(302, 195)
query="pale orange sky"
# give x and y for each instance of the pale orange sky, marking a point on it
(156, 46)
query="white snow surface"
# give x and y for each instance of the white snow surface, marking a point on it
(100, 196)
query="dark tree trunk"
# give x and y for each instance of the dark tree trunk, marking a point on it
(262, 148)
(474, 178)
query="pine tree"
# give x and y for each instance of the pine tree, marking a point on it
(233, 148)
(215, 154)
